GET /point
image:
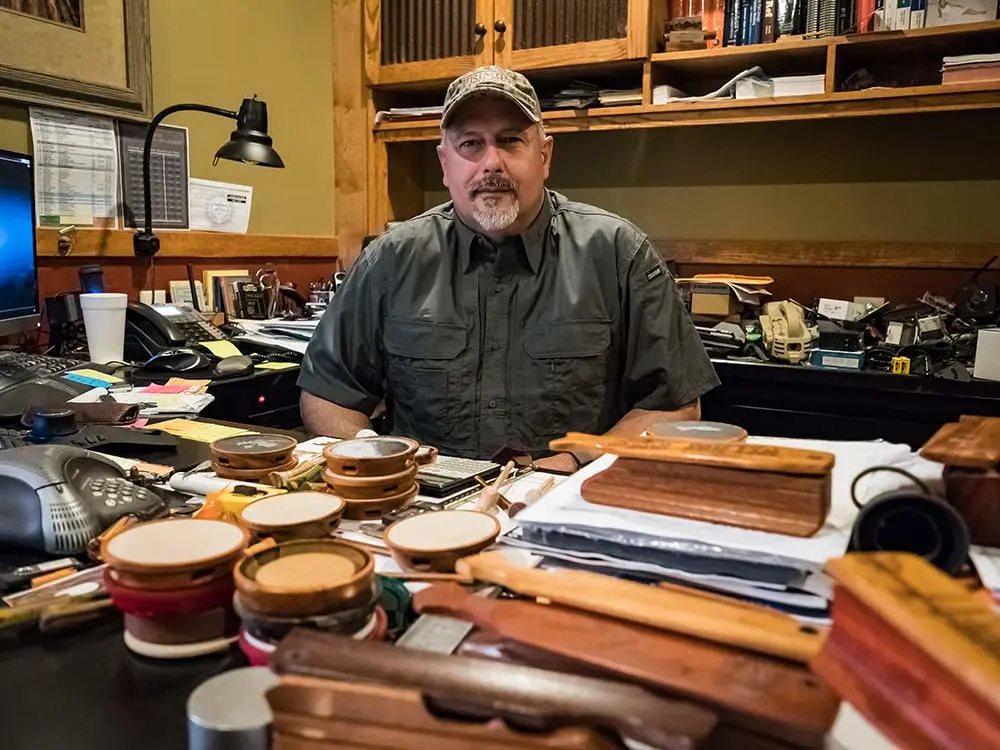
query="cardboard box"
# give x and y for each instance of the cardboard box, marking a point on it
(714, 299)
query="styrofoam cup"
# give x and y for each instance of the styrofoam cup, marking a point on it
(104, 321)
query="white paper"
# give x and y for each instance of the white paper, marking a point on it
(987, 562)
(151, 404)
(219, 206)
(76, 168)
(564, 505)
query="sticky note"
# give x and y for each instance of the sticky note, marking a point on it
(202, 432)
(92, 378)
(222, 348)
(275, 365)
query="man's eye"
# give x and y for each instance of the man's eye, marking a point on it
(511, 139)
(468, 144)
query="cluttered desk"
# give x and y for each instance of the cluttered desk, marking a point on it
(675, 614)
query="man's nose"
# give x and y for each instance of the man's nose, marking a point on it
(493, 159)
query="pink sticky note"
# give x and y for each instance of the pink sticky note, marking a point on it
(164, 389)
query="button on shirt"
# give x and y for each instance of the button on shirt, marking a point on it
(477, 347)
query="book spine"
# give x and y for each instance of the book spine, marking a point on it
(878, 18)
(745, 6)
(918, 14)
(769, 32)
(732, 26)
(756, 21)
(902, 18)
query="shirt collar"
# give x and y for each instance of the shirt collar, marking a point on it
(533, 238)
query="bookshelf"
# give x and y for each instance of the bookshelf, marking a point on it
(700, 71)
(388, 186)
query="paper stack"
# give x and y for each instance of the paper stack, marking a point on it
(781, 571)
(971, 69)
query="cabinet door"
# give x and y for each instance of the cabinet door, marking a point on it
(426, 40)
(556, 33)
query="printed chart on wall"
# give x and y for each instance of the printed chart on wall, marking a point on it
(168, 175)
(76, 169)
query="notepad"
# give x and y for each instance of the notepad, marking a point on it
(222, 348)
(202, 432)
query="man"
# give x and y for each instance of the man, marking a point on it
(509, 316)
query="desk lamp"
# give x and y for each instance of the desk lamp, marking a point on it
(249, 143)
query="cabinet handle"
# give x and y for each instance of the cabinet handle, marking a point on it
(500, 26)
(480, 30)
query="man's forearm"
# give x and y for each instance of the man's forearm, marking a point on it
(632, 424)
(322, 417)
(639, 421)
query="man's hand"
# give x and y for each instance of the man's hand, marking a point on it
(562, 462)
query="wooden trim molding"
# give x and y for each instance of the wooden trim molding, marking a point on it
(106, 243)
(830, 254)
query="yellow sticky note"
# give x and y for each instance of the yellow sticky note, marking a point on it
(196, 386)
(222, 348)
(275, 365)
(202, 432)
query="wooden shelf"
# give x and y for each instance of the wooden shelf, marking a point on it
(109, 243)
(816, 106)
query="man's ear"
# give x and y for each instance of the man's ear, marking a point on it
(442, 158)
(547, 146)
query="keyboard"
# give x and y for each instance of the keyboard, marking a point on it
(18, 366)
(11, 438)
(450, 474)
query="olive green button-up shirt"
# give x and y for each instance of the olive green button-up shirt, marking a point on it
(477, 347)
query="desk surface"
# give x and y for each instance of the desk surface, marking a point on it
(86, 691)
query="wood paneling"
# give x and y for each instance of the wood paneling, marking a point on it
(831, 254)
(603, 51)
(353, 113)
(57, 275)
(99, 243)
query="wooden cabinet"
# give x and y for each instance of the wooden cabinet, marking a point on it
(408, 41)
(535, 34)
(426, 40)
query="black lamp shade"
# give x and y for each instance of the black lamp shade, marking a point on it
(250, 143)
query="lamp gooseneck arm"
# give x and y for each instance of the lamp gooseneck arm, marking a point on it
(147, 149)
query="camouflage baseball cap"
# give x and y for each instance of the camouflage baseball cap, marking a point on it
(492, 80)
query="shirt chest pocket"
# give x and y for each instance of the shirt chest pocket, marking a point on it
(424, 373)
(566, 376)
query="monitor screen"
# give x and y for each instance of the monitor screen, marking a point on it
(18, 275)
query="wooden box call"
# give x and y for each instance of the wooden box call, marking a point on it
(763, 487)
(970, 451)
(914, 651)
(767, 696)
(354, 693)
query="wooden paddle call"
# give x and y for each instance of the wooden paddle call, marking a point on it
(763, 632)
(748, 456)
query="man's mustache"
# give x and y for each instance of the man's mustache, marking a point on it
(494, 185)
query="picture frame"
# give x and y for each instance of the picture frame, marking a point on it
(46, 74)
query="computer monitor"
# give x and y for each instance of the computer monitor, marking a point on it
(19, 309)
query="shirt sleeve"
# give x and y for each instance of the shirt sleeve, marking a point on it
(343, 363)
(666, 365)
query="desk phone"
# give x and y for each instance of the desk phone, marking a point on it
(190, 321)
